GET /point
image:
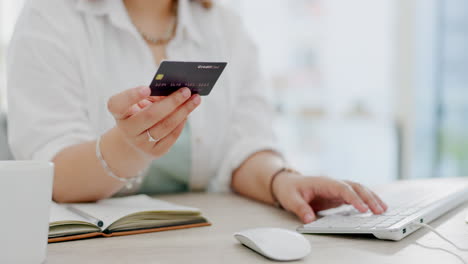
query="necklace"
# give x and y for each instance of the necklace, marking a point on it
(170, 30)
(165, 38)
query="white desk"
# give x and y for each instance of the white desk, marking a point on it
(230, 213)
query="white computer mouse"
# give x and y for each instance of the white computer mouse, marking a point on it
(275, 243)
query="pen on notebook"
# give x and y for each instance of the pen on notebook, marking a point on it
(88, 217)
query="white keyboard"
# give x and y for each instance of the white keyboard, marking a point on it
(409, 202)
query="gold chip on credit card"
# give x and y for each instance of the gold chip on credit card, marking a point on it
(159, 77)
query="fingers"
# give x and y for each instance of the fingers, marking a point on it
(301, 208)
(159, 110)
(351, 197)
(155, 98)
(333, 189)
(138, 107)
(144, 103)
(166, 126)
(382, 204)
(367, 197)
(167, 142)
(120, 105)
(132, 110)
(136, 113)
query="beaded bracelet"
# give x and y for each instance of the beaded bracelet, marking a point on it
(129, 182)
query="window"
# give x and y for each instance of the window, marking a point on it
(452, 90)
(331, 64)
(440, 138)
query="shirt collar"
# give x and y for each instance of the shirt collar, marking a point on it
(186, 24)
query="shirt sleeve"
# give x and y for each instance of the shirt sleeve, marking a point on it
(46, 102)
(251, 127)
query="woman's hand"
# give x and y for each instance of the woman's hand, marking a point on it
(306, 195)
(138, 116)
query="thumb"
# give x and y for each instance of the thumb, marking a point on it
(302, 209)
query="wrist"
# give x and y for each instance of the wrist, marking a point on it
(280, 180)
(121, 155)
(129, 148)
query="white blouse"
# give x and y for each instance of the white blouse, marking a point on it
(67, 57)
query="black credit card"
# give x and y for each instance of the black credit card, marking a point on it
(199, 77)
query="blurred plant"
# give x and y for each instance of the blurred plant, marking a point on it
(455, 147)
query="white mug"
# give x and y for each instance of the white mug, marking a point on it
(25, 197)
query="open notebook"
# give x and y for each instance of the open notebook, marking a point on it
(119, 216)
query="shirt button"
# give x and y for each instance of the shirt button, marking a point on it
(198, 140)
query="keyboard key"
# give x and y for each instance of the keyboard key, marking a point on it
(409, 211)
(346, 225)
(391, 212)
(396, 218)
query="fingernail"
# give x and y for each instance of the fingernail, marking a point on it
(365, 206)
(185, 92)
(196, 99)
(144, 91)
(379, 209)
(308, 218)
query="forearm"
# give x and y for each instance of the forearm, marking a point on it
(252, 179)
(80, 177)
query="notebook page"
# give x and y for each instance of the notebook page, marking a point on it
(59, 212)
(112, 209)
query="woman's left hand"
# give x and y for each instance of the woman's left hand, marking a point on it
(306, 195)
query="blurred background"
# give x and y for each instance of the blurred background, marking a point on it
(368, 90)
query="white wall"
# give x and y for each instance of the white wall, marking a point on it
(357, 54)
(9, 10)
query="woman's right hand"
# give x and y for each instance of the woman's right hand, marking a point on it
(137, 114)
